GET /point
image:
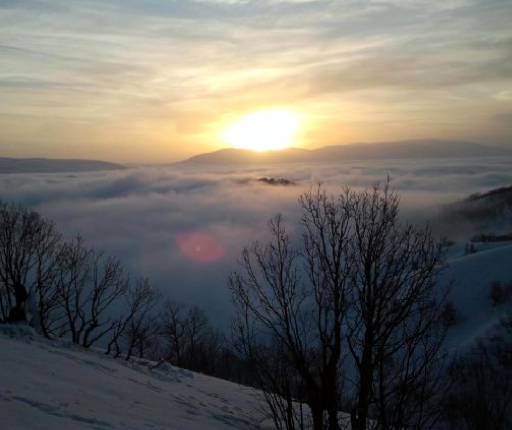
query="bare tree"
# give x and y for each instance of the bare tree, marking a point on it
(273, 372)
(27, 259)
(89, 284)
(67, 288)
(142, 326)
(49, 316)
(174, 328)
(396, 324)
(198, 332)
(71, 286)
(192, 343)
(481, 393)
(352, 307)
(297, 296)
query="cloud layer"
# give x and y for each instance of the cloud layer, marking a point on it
(184, 229)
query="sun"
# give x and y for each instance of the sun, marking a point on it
(262, 131)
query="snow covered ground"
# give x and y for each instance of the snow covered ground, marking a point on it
(48, 385)
(53, 386)
(471, 277)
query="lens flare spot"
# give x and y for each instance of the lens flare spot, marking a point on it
(200, 246)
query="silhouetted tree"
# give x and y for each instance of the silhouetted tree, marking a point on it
(27, 259)
(88, 285)
(69, 289)
(192, 343)
(296, 298)
(480, 397)
(142, 325)
(273, 371)
(396, 324)
(355, 297)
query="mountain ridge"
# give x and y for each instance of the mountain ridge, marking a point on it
(406, 149)
(54, 165)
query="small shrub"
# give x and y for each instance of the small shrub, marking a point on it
(490, 237)
(497, 293)
(451, 316)
(500, 293)
(469, 249)
(446, 242)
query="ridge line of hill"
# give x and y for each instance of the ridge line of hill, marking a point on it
(408, 149)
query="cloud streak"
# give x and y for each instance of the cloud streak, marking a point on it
(110, 79)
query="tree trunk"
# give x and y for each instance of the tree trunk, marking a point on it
(333, 420)
(318, 418)
(365, 387)
(17, 313)
(330, 396)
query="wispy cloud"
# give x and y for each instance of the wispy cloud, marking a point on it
(112, 79)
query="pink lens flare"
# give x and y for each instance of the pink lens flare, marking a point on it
(200, 246)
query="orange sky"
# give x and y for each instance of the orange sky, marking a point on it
(154, 82)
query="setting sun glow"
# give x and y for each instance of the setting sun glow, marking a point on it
(262, 131)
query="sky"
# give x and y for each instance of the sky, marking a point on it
(157, 81)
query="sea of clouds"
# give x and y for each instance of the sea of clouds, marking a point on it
(184, 227)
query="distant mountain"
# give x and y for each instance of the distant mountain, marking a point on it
(410, 149)
(231, 156)
(488, 213)
(47, 165)
(502, 194)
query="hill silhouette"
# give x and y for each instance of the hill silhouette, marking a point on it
(51, 165)
(409, 149)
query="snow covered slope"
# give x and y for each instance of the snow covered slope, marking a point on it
(48, 386)
(472, 276)
(52, 385)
